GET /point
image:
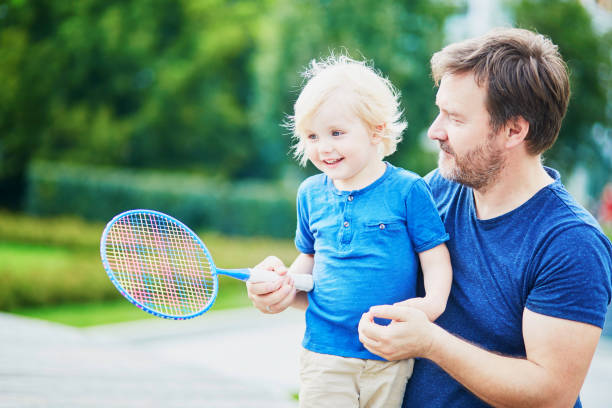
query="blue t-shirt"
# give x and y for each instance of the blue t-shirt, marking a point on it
(365, 246)
(549, 255)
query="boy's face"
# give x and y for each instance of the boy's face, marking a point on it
(341, 145)
(469, 151)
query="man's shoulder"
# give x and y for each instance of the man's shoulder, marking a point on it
(564, 205)
(560, 218)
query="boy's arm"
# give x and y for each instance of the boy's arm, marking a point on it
(437, 279)
(274, 297)
(303, 263)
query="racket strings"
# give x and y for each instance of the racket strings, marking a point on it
(160, 265)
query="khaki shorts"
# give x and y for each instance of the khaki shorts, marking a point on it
(339, 382)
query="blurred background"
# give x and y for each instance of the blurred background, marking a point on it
(177, 105)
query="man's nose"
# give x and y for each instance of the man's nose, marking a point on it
(436, 131)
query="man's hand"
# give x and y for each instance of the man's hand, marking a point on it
(410, 333)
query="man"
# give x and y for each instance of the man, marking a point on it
(532, 269)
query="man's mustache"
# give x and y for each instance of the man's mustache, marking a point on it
(445, 147)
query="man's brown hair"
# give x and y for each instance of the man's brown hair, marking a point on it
(523, 75)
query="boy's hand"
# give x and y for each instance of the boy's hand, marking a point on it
(272, 297)
(432, 308)
(410, 333)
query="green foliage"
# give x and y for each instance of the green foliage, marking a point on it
(588, 123)
(48, 262)
(155, 83)
(242, 208)
(25, 281)
(607, 229)
(187, 84)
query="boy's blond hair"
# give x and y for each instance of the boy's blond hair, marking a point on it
(376, 101)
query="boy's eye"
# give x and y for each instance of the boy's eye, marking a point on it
(336, 133)
(312, 137)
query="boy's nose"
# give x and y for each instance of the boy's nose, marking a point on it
(325, 146)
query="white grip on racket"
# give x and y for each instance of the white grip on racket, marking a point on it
(302, 281)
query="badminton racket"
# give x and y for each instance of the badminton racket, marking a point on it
(162, 267)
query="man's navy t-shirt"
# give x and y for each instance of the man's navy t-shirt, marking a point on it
(549, 255)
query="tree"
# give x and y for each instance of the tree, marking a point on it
(152, 83)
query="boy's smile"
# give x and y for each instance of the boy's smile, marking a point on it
(331, 162)
(342, 146)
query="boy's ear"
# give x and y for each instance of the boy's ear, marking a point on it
(516, 132)
(376, 135)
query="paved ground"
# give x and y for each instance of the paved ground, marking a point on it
(224, 359)
(235, 358)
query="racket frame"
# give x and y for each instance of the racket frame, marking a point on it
(126, 294)
(302, 282)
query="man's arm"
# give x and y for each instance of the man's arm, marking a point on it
(559, 353)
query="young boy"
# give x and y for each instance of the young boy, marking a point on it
(363, 226)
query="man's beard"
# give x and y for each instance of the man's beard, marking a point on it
(477, 168)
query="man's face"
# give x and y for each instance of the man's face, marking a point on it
(470, 153)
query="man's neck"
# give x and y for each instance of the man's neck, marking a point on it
(515, 185)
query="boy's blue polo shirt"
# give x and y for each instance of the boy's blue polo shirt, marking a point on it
(365, 245)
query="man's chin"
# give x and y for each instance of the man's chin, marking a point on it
(450, 172)
(447, 174)
(446, 169)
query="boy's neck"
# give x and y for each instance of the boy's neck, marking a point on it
(366, 177)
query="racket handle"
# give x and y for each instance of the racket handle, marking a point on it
(302, 281)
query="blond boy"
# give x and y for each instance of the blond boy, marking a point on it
(364, 227)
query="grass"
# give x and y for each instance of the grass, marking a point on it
(87, 314)
(51, 270)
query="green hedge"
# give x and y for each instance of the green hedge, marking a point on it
(56, 260)
(98, 193)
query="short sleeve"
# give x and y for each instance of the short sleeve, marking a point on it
(424, 224)
(304, 240)
(574, 277)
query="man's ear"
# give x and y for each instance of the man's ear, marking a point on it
(516, 132)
